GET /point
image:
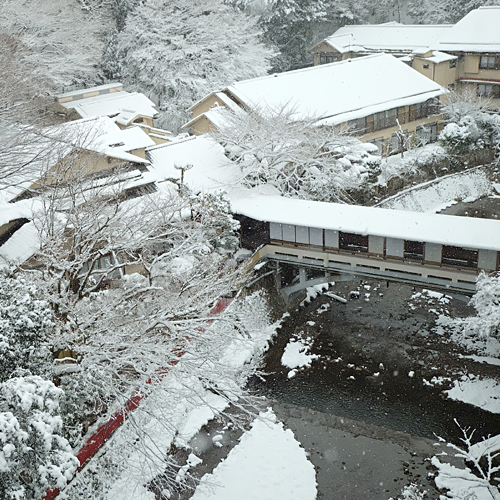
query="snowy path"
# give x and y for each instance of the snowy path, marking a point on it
(267, 464)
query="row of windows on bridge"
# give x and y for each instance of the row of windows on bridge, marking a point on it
(379, 246)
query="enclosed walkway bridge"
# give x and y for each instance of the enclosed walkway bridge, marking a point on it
(321, 239)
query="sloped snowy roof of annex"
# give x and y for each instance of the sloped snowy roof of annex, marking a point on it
(102, 135)
(478, 31)
(339, 91)
(211, 170)
(22, 245)
(388, 37)
(439, 57)
(466, 232)
(130, 103)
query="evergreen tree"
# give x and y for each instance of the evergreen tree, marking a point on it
(25, 322)
(33, 454)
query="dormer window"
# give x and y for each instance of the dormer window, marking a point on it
(327, 59)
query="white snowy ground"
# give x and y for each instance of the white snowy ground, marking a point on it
(268, 464)
(410, 162)
(274, 463)
(438, 194)
(461, 483)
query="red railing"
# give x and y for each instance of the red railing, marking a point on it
(105, 431)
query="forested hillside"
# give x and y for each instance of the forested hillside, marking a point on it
(175, 52)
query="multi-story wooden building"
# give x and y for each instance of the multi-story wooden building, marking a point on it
(376, 97)
(464, 55)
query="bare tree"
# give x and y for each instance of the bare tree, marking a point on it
(297, 157)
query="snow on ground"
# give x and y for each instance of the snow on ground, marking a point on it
(296, 354)
(438, 194)
(483, 393)
(410, 162)
(313, 291)
(268, 464)
(435, 302)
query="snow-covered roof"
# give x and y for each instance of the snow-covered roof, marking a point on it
(22, 245)
(124, 104)
(388, 37)
(478, 31)
(473, 80)
(99, 88)
(102, 135)
(215, 115)
(339, 91)
(227, 101)
(12, 211)
(439, 57)
(211, 170)
(434, 228)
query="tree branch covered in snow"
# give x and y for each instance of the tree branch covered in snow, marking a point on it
(60, 37)
(177, 52)
(464, 482)
(297, 158)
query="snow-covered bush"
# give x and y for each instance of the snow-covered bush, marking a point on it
(298, 158)
(470, 124)
(411, 492)
(178, 51)
(33, 454)
(25, 322)
(486, 301)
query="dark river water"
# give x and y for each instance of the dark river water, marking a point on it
(420, 413)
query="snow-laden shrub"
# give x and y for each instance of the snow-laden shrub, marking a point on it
(33, 454)
(25, 321)
(471, 126)
(486, 301)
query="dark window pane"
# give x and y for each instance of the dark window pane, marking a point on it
(414, 250)
(353, 242)
(460, 257)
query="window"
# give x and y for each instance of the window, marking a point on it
(327, 58)
(427, 108)
(426, 66)
(414, 250)
(385, 119)
(453, 63)
(394, 143)
(487, 62)
(358, 125)
(484, 90)
(427, 133)
(460, 257)
(379, 142)
(353, 242)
